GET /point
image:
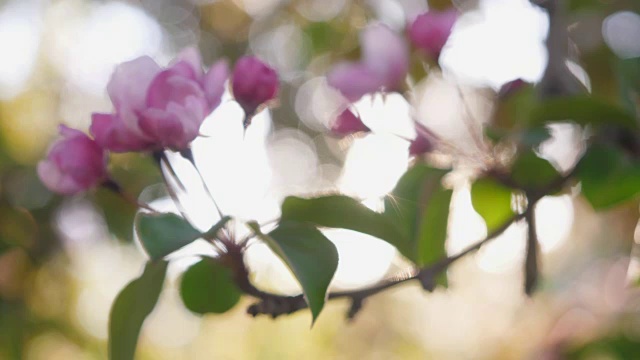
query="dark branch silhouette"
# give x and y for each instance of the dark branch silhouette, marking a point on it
(275, 305)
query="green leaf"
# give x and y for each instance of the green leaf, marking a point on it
(132, 306)
(608, 176)
(213, 232)
(534, 136)
(612, 344)
(492, 201)
(627, 73)
(208, 287)
(530, 171)
(513, 110)
(582, 110)
(310, 256)
(414, 221)
(339, 211)
(529, 137)
(420, 206)
(119, 214)
(163, 234)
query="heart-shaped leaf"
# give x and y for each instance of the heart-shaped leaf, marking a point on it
(310, 256)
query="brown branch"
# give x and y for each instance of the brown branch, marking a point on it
(532, 255)
(276, 305)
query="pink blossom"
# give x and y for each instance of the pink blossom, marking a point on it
(348, 123)
(159, 108)
(424, 141)
(383, 66)
(353, 80)
(253, 83)
(75, 163)
(430, 31)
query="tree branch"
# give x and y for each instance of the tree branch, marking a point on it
(276, 305)
(532, 255)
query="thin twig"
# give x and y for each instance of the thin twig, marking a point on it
(161, 158)
(276, 305)
(188, 154)
(164, 158)
(531, 266)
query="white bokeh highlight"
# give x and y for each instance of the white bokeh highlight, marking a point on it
(621, 31)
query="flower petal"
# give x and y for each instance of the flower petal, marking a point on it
(385, 53)
(214, 81)
(111, 133)
(430, 31)
(129, 83)
(348, 123)
(168, 87)
(191, 56)
(165, 127)
(354, 80)
(424, 142)
(55, 180)
(74, 163)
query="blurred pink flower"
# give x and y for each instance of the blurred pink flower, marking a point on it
(74, 163)
(253, 83)
(156, 108)
(383, 66)
(424, 142)
(430, 31)
(348, 123)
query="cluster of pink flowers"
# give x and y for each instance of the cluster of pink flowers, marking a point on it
(157, 109)
(154, 109)
(384, 66)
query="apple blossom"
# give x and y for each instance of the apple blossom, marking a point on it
(159, 108)
(430, 31)
(74, 163)
(383, 66)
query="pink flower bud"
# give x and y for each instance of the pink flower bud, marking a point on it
(253, 83)
(156, 108)
(384, 65)
(75, 163)
(424, 141)
(430, 31)
(348, 123)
